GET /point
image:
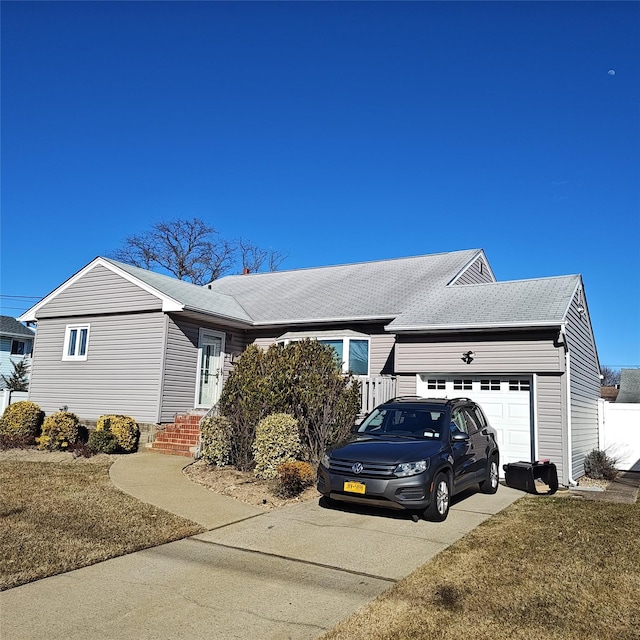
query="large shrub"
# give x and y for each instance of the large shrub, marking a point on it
(303, 379)
(277, 441)
(123, 428)
(59, 430)
(215, 440)
(21, 420)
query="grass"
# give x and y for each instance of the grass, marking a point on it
(545, 568)
(59, 516)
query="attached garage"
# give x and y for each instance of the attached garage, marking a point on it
(506, 400)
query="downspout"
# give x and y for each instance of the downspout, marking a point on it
(567, 364)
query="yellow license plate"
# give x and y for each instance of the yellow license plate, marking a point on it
(354, 487)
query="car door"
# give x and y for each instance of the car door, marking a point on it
(477, 441)
(464, 473)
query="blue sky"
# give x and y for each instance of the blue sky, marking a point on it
(336, 131)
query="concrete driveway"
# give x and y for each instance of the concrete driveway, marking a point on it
(284, 574)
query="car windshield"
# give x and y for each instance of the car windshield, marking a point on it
(422, 422)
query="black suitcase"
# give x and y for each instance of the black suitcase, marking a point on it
(523, 475)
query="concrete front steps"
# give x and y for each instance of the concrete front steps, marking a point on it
(180, 438)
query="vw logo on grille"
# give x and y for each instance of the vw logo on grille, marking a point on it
(357, 467)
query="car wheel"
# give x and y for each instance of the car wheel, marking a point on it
(438, 509)
(328, 502)
(490, 483)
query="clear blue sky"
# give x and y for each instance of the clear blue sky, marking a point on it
(337, 131)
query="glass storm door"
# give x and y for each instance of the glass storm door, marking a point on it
(210, 369)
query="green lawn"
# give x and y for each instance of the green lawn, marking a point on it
(59, 516)
(545, 568)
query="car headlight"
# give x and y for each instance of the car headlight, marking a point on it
(411, 468)
(326, 461)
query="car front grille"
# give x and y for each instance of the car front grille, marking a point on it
(369, 469)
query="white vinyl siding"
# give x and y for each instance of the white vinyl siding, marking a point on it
(121, 375)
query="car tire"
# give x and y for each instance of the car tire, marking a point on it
(327, 502)
(491, 482)
(438, 509)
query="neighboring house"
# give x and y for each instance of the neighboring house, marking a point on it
(118, 339)
(16, 343)
(629, 386)
(609, 393)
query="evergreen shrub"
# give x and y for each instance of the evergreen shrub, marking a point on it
(215, 439)
(600, 466)
(21, 420)
(103, 442)
(277, 441)
(124, 428)
(59, 430)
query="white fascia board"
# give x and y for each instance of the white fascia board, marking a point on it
(168, 303)
(470, 327)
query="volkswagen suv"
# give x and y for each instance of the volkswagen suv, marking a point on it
(415, 454)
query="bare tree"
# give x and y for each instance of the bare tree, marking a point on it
(252, 256)
(610, 376)
(192, 250)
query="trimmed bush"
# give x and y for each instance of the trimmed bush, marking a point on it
(599, 465)
(293, 478)
(103, 442)
(59, 430)
(277, 441)
(124, 428)
(21, 420)
(215, 435)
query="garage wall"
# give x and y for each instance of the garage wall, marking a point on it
(493, 353)
(584, 382)
(551, 421)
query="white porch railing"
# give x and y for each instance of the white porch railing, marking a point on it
(375, 391)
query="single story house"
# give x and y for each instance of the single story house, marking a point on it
(118, 339)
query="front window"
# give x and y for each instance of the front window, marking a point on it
(427, 422)
(76, 342)
(352, 352)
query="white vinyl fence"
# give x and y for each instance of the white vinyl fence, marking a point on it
(620, 433)
(8, 397)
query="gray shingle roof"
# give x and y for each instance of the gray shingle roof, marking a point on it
(539, 302)
(11, 327)
(367, 290)
(629, 386)
(192, 296)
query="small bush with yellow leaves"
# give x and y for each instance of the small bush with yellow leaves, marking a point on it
(59, 431)
(277, 441)
(21, 420)
(124, 428)
(215, 437)
(293, 478)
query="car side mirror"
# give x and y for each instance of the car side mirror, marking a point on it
(459, 436)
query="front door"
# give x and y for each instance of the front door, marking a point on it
(210, 362)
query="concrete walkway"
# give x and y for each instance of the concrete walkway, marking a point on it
(291, 573)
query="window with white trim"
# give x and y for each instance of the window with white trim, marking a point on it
(436, 383)
(489, 385)
(463, 385)
(76, 342)
(353, 352)
(519, 385)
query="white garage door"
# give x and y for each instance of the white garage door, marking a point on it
(506, 402)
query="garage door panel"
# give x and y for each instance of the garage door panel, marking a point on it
(507, 407)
